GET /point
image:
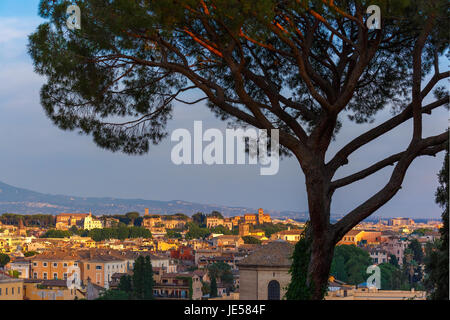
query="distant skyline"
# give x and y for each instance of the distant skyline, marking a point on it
(35, 155)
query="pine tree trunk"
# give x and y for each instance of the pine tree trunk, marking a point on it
(319, 267)
(322, 244)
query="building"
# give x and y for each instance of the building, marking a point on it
(99, 268)
(264, 274)
(21, 266)
(178, 286)
(227, 240)
(250, 218)
(378, 256)
(228, 223)
(65, 221)
(159, 221)
(90, 223)
(287, 235)
(50, 290)
(374, 294)
(212, 222)
(182, 253)
(400, 222)
(395, 246)
(10, 288)
(351, 237)
(55, 265)
(263, 217)
(244, 229)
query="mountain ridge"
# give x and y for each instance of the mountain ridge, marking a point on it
(24, 201)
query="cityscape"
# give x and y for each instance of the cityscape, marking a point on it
(224, 159)
(205, 256)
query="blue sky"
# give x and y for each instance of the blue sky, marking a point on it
(36, 155)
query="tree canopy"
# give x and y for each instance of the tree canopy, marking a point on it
(299, 67)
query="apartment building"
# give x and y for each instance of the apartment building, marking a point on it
(178, 286)
(10, 288)
(56, 265)
(99, 268)
(35, 289)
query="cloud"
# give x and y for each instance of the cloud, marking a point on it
(16, 28)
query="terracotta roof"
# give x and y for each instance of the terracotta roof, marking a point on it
(73, 214)
(276, 253)
(353, 232)
(290, 232)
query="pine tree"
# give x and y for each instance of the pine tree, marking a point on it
(213, 288)
(147, 279)
(138, 278)
(437, 266)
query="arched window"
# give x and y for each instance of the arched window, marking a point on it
(273, 290)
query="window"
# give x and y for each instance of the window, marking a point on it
(18, 290)
(76, 264)
(65, 276)
(273, 290)
(6, 291)
(35, 275)
(44, 264)
(0, 291)
(65, 265)
(55, 264)
(45, 275)
(88, 266)
(35, 264)
(98, 267)
(12, 291)
(55, 276)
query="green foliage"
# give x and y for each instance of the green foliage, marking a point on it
(270, 228)
(121, 232)
(41, 220)
(173, 234)
(53, 233)
(199, 218)
(14, 273)
(222, 271)
(213, 288)
(196, 232)
(216, 214)
(298, 288)
(251, 240)
(142, 279)
(350, 264)
(416, 249)
(113, 295)
(393, 260)
(4, 259)
(126, 285)
(437, 263)
(30, 253)
(189, 281)
(206, 288)
(221, 230)
(392, 278)
(138, 286)
(422, 231)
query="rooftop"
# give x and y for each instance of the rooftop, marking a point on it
(274, 254)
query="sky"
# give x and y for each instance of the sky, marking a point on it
(36, 155)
